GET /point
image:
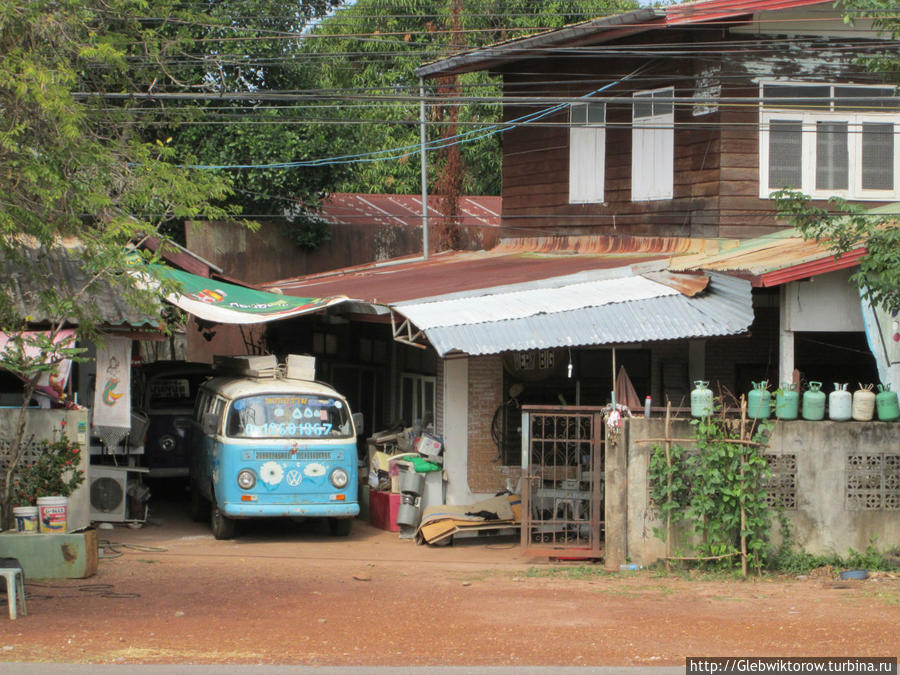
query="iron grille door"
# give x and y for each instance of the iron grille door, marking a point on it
(562, 487)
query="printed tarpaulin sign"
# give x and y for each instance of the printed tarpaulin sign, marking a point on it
(112, 391)
(52, 384)
(221, 302)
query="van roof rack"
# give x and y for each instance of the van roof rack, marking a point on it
(248, 366)
(296, 367)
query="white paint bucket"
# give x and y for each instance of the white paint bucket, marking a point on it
(26, 519)
(52, 513)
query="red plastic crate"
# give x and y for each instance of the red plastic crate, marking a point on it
(383, 507)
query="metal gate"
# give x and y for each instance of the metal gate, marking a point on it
(562, 487)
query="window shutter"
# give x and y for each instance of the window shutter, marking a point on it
(587, 156)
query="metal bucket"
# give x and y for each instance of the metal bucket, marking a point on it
(412, 482)
(408, 515)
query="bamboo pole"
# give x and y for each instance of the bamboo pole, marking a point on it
(743, 511)
(668, 487)
(688, 440)
(709, 557)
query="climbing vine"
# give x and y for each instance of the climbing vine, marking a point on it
(717, 487)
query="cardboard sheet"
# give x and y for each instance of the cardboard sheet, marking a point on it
(442, 520)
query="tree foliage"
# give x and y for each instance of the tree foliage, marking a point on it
(845, 227)
(86, 175)
(245, 52)
(371, 50)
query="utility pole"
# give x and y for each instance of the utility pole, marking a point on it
(424, 162)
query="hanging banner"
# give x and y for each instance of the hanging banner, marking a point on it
(220, 302)
(53, 383)
(112, 391)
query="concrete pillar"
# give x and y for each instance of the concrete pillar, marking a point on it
(785, 339)
(616, 501)
(456, 430)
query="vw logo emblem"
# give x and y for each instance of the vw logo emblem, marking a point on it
(294, 478)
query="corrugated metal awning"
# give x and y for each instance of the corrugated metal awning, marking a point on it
(614, 308)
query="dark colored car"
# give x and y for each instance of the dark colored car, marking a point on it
(165, 394)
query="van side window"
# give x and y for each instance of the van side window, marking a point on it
(200, 407)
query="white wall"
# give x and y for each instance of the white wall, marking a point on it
(826, 303)
(456, 430)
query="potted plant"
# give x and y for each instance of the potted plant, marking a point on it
(54, 472)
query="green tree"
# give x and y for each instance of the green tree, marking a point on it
(245, 59)
(844, 227)
(84, 178)
(367, 53)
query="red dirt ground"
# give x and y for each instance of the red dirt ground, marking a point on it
(285, 594)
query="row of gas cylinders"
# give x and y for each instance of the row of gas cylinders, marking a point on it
(861, 405)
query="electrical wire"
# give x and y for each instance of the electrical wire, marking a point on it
(412, 149)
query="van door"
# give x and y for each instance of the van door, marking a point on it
(204, 428)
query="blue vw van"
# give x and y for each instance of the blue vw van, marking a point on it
(267, 445)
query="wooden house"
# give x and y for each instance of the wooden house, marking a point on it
(680, 121)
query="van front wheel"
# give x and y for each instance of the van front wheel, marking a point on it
(340, 527)
(222, 525)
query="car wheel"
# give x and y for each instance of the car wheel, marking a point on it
(222, 526)
(340, 527)
(199, 505)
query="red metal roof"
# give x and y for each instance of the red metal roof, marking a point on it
(508, 263)
(711, 10)
(384, 209)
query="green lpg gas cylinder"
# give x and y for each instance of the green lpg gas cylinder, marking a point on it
(759, 401)
(814, 402)
(886, 404)
(701, 399)
(787, 402)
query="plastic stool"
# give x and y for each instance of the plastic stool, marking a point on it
(15, 590)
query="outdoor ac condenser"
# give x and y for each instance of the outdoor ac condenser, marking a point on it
(108, 486)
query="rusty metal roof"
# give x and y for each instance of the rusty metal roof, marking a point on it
(546, 292)
(771, 260)
(351, 208)
(512, 261)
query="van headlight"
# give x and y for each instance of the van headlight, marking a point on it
(246, 479)
(339, 478)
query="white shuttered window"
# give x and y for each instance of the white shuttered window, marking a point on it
(587, 153)
(830, 140)
(652, 145)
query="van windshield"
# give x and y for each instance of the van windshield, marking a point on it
(289, 416)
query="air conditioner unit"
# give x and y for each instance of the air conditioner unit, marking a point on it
(109, 501)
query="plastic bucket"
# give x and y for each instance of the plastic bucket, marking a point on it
(52, 513)
(26, 519)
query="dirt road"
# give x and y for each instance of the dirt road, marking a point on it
(285, 594)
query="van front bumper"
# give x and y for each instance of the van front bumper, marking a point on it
(252, 510)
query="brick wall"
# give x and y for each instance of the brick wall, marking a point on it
(439, 398)
(485, 472)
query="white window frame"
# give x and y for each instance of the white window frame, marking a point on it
(587, 153)
(418, 405)
(808, 119)
(653, 148)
